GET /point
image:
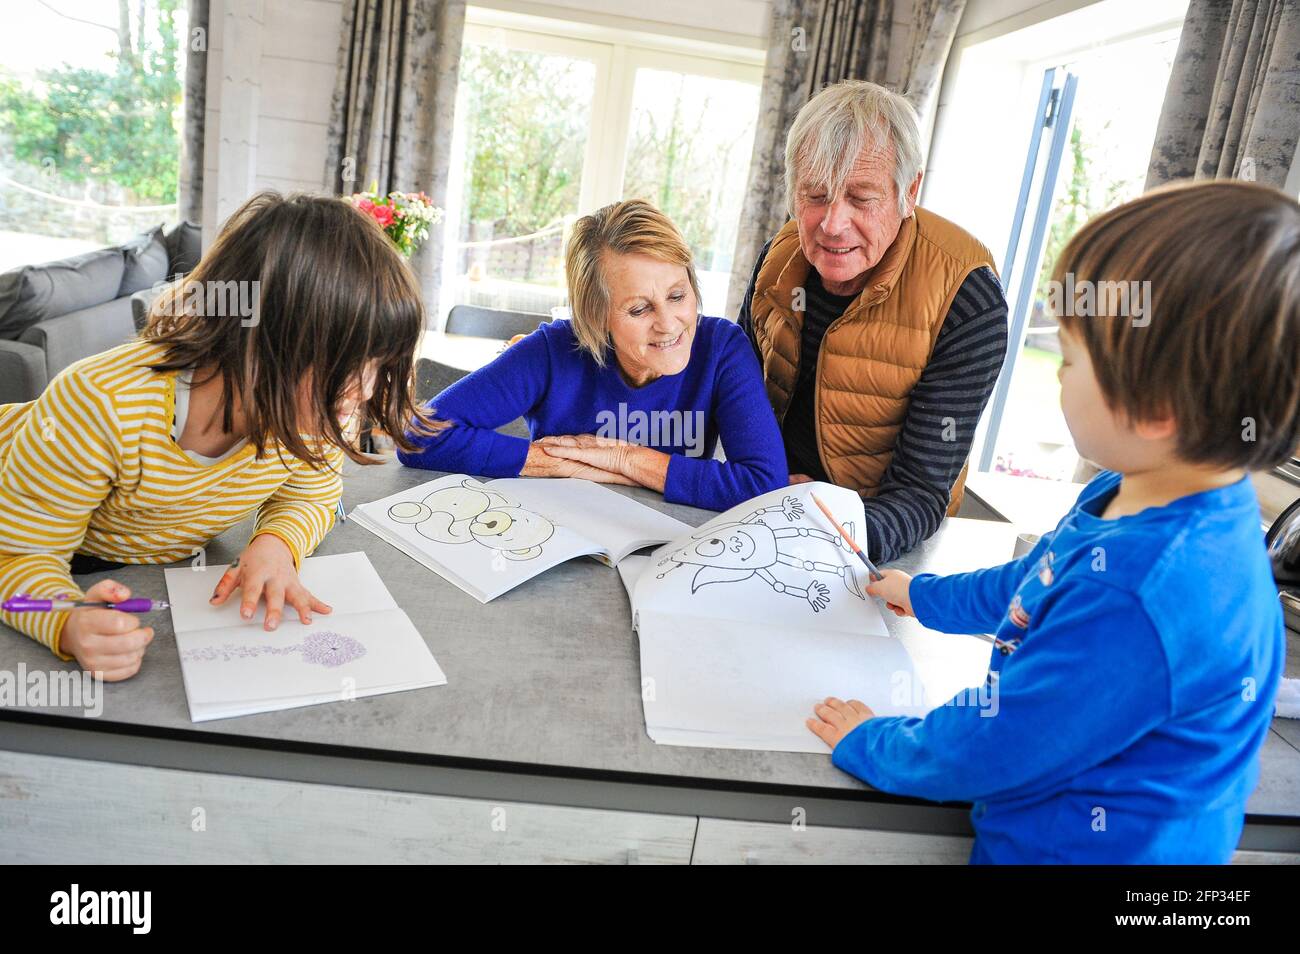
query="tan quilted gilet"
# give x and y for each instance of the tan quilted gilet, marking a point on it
(873, 354)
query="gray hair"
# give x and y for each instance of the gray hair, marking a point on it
(835, 126)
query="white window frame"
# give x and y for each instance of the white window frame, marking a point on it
(616, 55)
(1061, 48)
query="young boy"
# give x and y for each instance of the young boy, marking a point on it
(1145, 635)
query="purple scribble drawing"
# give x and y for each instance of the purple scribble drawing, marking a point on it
(322, 647)
(331, 649)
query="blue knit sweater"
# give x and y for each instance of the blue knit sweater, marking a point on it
(559, 389)
(1127, 726)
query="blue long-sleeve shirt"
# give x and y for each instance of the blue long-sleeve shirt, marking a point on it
(559, 389)
(1127, 725)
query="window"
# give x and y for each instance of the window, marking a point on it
(89, 124)
(520, 144)
(689, 145)
(555, 120)
(1120, 88)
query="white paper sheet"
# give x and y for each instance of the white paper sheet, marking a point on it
(746, 685)
(487, 538)
(762, 612)
(232, 666)
(617, 524)
(630, 570)
(773, 559)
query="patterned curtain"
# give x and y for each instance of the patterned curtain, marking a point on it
(394, 99)
(900, 44)
(1232, 108)
(196, 87)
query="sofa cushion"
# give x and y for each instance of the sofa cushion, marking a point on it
(33, 293)
(184, 247)
(78, 334)
(22, 372)
(146, 259)
(141, 302)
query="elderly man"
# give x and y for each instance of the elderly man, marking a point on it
(880, 326)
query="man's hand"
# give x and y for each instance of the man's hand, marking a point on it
(800, 479)
(265, 570)
(106, 640)
(833, 719)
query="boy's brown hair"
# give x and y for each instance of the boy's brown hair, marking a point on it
(1219, 348)
(334, 294)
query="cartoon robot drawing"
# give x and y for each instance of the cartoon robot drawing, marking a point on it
(732, 552)
(473, 512)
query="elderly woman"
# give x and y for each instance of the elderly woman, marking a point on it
(880, 326)
(637, 388)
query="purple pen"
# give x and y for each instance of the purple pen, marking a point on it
(36, 604)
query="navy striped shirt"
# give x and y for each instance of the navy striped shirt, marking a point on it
(946, 403)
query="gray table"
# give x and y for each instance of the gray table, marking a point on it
(1030, 504)
(542, 704)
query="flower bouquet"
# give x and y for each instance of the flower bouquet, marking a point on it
(404, 216)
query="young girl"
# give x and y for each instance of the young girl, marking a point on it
(233, 401)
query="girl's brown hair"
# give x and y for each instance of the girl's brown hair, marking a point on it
(331, 294)
(1219, 346)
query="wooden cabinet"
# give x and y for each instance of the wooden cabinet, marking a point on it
(62, 810)
(58, 810)
(724, 842)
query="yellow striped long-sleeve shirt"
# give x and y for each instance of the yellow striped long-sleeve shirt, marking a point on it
(91, 467)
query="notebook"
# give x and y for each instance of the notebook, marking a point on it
(488, 538)
(747, 622)
(233, 667)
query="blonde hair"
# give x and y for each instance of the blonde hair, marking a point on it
(835, 126)
(630, 226)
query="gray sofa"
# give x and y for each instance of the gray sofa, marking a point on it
(56, 313)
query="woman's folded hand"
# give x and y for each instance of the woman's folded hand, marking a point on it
(579, 455)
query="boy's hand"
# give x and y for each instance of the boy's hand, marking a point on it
(895, 589)
(106, 640)
(265, 570)
(834, 719)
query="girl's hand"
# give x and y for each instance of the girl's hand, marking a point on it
(106, 640)
(895, 589)
(265, 570)
(547, 458)
(833, 719)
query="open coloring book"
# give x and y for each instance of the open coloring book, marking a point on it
(487, 538)
(233, 667)
(747, 622)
